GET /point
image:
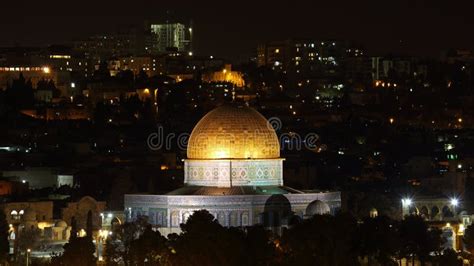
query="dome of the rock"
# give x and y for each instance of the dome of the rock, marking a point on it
(233, 132)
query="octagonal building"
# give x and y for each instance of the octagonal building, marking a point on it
(233, 170)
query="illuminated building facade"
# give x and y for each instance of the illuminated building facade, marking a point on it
(234, 171)
(307, 62)
(150, 65)
(33, 73)
(58, 66)
(442, 212)
(300, 55)
(225, 75)
(166, 36)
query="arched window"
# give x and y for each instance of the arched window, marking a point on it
(434, 212)
(245, 219)
(175, 219)
(447, 212)
(424, 212)
(185, 217)
(233, 219)
(159, 219)
(221, 218)
(21, 212)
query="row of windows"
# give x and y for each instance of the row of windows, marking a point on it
(22, 69)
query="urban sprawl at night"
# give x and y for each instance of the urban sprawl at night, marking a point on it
(205, 136)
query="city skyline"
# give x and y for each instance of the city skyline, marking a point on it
(236, 133)
(233, 30)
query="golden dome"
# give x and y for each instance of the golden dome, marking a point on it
(233, 132)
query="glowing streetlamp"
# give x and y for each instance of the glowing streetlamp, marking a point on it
(407, 202)
(101, 242)
(46, 70)
(454, 202)
(28, 251)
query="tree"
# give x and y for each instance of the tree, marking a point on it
(141, 78)
(48, 85)
(27, 238)
(322, 240)
(73, 233)
(118, 248)
(20, 94)
(204, 241)
(434, 244)
(417, 240)
(125, 76)
(102, 73)
(149, 249)
(468, 238)
(78, 251)
(378, 240)
(56, 91)
(4, 243)
(450, 258)
(260, 249)
(89, 224)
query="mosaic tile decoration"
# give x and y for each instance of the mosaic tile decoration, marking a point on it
(234, 172)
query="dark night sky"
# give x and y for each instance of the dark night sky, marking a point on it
(232, 28)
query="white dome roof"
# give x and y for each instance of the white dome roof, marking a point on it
(317, 207)
(60, 223)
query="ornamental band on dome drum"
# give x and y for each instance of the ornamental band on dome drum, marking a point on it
(235, 172)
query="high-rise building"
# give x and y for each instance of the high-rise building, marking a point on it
(170, 37)
(304, 61)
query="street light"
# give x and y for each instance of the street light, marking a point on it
(407, 202)
(454, 202)
(27, 256)
(102, 238)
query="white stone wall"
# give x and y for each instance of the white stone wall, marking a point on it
(238, 210)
